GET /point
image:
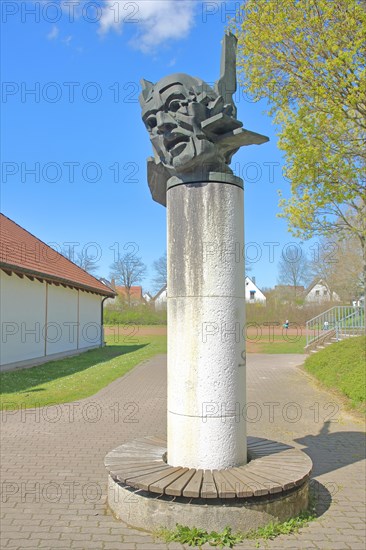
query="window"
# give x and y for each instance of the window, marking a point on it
(252, 295)
(317, 293)
(325, 292)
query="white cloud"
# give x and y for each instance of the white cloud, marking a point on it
(67, 40)
(53, 34)
(156, 21)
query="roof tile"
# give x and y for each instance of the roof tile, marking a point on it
(20, 251)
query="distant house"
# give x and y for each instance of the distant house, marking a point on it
(50, 307)
(160, 299)
(319, 292)
(135, 297)
(252, 293)
(147, 297)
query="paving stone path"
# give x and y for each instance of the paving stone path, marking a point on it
(54, 481)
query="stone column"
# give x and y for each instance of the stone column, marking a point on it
(206, 323)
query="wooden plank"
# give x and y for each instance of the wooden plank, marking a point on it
(123, 463)
(126, 459)
(131, 468)
(129, 477)
(268, 444)
(242, 490)
(287, 481)
(176, 488)
(270, 449)
(162, 484)
(251, 441)
(135, 452)
(273, 477)
(282, 466)
(289, 473)
(192, 489)
(138, 467)
(208, 489)
(286, 458)
(144, 481)
(259, 486)
(255, 455)
(223, 485)
(129, 462)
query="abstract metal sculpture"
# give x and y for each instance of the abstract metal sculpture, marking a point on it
(193, 128)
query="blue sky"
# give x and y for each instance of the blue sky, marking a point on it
(74, 158)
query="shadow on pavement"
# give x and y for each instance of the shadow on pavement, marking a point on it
(330, 451)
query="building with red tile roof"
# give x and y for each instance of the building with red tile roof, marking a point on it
(50, 307)
(23, 253)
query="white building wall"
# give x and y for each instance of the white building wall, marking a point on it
(40, 319)
(89, 320)
(23, 308)
(161, 301)
(320, 293)
(252, 287)
(62, 318)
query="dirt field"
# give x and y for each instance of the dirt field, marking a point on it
(256, 335)
(141, 330)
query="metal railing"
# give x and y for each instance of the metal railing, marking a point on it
(341, 320)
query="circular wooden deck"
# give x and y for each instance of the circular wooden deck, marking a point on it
(272, 468)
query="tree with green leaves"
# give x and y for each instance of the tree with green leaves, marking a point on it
(339, 263)
(307, 58)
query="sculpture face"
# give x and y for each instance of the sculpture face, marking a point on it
(173, 115)
(193, 128)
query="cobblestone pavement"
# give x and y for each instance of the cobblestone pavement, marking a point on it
(54, 480)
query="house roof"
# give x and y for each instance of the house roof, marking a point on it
(24, 254)
(163, 289)
(135, 291)
(254, 284)
(316, 282)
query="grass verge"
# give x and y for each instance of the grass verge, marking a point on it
(76, 377)
(227, 539)
(341, 367)
(292, 344)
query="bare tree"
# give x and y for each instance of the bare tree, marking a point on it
(81, 259)
(160, 267)
(293, 268)
(127, 271)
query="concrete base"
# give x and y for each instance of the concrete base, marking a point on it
(147, 511)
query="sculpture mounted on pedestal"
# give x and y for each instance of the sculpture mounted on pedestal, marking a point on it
(195, 132)
(193, 128)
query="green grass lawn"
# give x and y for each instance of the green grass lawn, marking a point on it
(279, 345)
(76, 377)
(342, 367)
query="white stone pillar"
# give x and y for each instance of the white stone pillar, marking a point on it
(206, 324)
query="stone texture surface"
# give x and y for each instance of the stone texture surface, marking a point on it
(152, 513)
(206, 321)
(54, 482)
